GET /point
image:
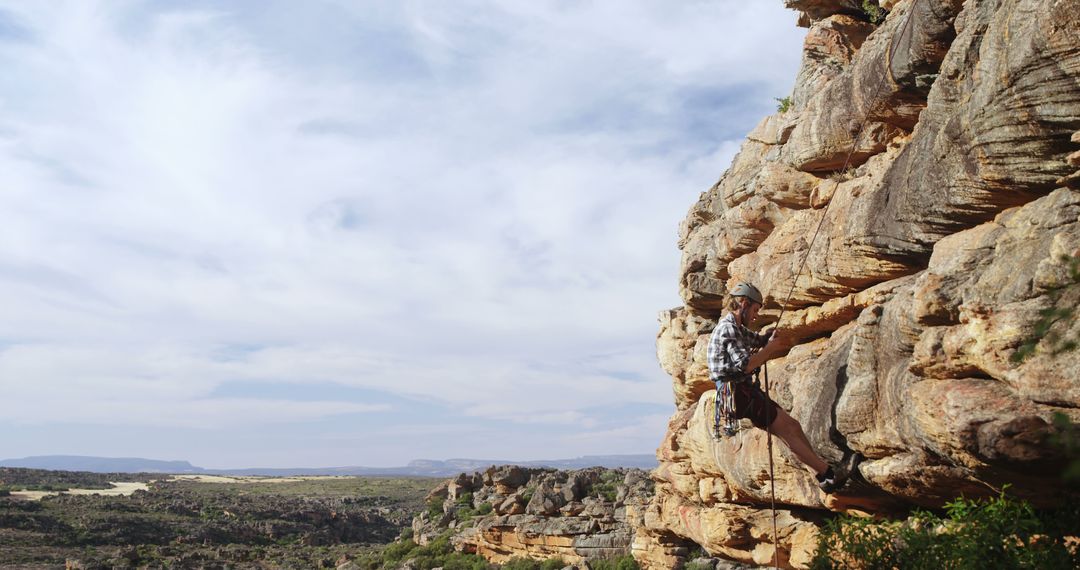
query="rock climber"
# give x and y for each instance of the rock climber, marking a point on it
(735, 352)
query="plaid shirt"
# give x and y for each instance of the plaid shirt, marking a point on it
(730, 347)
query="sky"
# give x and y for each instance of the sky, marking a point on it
(327, 233)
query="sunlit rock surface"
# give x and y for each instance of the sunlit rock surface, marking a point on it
(939, 250)
(516, 512)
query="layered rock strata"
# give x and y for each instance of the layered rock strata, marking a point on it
(952, 231)
(514, 512)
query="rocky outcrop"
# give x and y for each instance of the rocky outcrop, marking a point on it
(914, 321)
(515, 512)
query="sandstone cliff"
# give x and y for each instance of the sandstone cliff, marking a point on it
(517, 512)
(942, 246)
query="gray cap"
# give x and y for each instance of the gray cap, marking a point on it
(749, 291)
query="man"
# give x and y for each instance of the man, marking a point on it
(734, 353)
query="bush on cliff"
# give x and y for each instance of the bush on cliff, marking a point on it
(997, 533)
(606, 487)
(518, 563)
(700, 564)
(874, 13)
(439, 553)
(626, 562)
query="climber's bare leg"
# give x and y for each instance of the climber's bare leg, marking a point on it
(788, 429)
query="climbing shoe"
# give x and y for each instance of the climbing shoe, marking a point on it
(833, 479)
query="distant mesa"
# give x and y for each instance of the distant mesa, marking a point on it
(417, 468)
(101, 464)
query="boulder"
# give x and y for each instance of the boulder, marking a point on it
(560, 519)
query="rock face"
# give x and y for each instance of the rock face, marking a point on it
(514, 512)
(952, 231)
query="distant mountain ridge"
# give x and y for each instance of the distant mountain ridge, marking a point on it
(419, 467)
(101, 464)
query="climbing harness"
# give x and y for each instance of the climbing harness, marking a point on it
(725, 424)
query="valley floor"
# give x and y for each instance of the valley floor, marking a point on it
(199, 522)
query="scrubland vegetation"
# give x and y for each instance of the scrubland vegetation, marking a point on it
(1001, 532)
(308, 523)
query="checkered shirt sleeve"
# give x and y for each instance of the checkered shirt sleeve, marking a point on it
(730, 347)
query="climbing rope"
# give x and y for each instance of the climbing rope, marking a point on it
(847, 160)
(772, 475)
(715, 436)
(825, 213)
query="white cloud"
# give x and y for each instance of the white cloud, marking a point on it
(210, 414)
(66, 384)
(475, 203)
(623, 437)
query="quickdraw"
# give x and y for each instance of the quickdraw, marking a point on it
(725, 424)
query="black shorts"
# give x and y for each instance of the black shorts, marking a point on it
(753, 404)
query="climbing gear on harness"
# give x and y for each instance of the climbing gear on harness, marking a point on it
(725, 424)
(749, 291)
(725, 420)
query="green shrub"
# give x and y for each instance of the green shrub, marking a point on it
(461, 561)
(607, 486)
(397, 551)
(874, 13)
(784, 103)
(527, 496)
(625, 562)
(463, 509)
(439, 553)
(995, 533)
(435, 508)
(698, 564)
(438, 547)
(553, 564)
(519, 563)
(147, 553)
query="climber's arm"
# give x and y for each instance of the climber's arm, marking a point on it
(771, 349)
